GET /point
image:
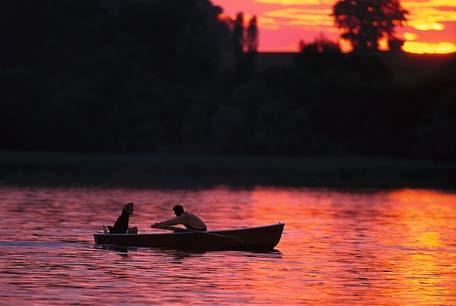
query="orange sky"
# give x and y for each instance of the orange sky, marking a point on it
(431, 27)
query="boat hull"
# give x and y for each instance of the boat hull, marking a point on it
(256, 238)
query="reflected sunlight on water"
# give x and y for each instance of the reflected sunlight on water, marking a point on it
(385, 247)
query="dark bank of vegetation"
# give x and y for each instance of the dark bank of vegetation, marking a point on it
(174, 77)
(173, 171)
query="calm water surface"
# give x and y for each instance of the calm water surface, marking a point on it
(373, 248)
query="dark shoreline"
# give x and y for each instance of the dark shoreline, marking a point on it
(154, 171)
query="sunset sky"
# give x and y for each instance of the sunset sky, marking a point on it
(431, 27)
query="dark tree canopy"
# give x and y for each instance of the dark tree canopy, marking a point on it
(176, 77)
(365, 22)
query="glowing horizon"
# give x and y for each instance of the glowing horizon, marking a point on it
(431, 26)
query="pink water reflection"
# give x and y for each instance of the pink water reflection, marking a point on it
(384, 248)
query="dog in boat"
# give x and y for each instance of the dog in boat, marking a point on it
(121, 224)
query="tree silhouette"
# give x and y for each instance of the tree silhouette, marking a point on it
(395, 44)
(238, 40)
(321, 44)
(319, 56)
(251, 43)
(365, 22)
(252, 35)
(244, 44)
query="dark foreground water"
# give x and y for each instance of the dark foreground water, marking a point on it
(372, 248)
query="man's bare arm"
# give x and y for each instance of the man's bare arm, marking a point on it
(173, 221)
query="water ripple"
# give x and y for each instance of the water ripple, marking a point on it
(384, 248)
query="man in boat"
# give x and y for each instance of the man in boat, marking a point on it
(121, 225)
(190, 221)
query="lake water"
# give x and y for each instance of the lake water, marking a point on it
(395, 247)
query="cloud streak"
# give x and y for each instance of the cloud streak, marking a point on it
(302, 17)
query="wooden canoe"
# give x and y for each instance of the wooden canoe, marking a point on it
(254, 238)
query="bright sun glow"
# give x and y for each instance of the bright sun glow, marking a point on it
(431, 48)
(427, 26)
(410, 36)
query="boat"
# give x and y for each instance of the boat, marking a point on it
(262, 238)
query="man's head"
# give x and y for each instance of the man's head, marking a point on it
(178, 210)
(128, 208)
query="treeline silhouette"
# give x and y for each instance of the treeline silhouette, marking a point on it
(173, 76)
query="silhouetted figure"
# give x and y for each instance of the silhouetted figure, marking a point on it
(190, 221)
(364, 22)
(121, 225)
